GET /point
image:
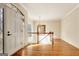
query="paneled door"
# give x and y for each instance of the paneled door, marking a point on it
(19, 30)
(10, 30)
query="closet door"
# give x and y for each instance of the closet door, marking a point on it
(14, 30)
(10, 30)
(19, 30)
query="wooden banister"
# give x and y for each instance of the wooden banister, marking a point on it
(48, 33)
(41, 33)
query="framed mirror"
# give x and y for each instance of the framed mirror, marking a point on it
(41, 28)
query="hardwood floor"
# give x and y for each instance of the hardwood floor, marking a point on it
(60, 48)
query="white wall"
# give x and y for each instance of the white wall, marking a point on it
(51, 26)
(70, 28)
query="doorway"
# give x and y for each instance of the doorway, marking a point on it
(43, 37)
(41, 28)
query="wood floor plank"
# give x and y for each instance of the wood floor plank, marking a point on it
(60, 48)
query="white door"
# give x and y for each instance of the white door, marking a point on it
(10, 31)
(14, 30)
(19, 30)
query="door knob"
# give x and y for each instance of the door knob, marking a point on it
(9, 34)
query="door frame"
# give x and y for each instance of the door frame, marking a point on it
(38, 33)
(3, 29)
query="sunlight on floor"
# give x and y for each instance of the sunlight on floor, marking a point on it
(44, 39)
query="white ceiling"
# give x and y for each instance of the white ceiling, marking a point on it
(48, 11)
